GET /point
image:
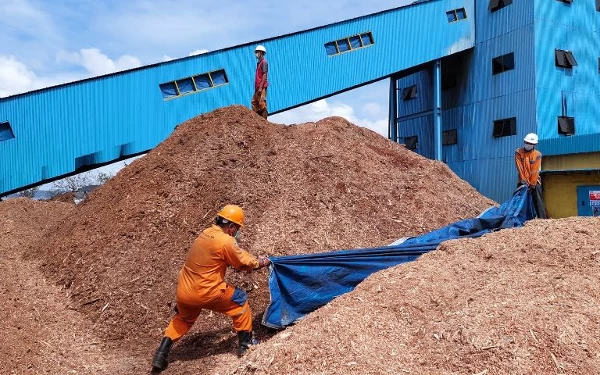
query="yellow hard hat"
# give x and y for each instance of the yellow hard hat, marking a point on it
(233, 213)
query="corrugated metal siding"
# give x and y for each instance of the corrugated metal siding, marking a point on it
(100, 120)
(480, 98)
(512, 17)
(570, 92)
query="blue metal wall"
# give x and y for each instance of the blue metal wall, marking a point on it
(479, 98)
(569, 92)
(112, 117)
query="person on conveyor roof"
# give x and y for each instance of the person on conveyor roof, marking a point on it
(202, 286)
(259, 99)
(529, 163)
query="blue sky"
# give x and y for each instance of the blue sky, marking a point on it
(47, 42)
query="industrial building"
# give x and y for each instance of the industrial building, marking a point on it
(468, 80)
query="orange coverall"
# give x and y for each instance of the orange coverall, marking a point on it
(529, 164)
(201, 283)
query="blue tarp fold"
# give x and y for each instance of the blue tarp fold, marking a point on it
(300, 284)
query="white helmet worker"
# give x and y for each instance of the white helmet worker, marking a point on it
(531, 138)
(260, 48)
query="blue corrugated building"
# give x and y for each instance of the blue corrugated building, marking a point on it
(468, 80)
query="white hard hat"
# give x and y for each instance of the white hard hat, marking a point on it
(261, 48)
(531, 138)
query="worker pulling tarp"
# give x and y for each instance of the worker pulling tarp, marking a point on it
(300, 284)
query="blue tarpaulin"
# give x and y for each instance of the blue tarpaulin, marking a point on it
(300, 284)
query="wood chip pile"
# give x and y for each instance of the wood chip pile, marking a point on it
(305, 188)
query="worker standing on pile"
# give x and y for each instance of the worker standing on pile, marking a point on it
(529, 163)
(259, 99)
(202, 286)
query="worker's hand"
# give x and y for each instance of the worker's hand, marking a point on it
(263, 261)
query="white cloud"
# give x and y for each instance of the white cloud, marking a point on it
(97, 63)
(320, 109)
(15, 77)
(197, 52)
(373, 109)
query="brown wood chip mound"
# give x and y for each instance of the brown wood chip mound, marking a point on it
(305, 188)
(522, 301)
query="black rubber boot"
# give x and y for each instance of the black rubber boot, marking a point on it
(245, 338)
(159, 362)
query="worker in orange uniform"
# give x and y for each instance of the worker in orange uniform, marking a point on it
(201, 283)
(259, 99)
(529, 163)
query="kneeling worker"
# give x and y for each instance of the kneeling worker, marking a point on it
(202, 286)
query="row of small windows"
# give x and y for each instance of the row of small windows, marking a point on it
(350, 43)
(449, 137)
(456, 15)
(6, 132)
(499, 4)
(502, 128)
(193, 84)
(508, 126)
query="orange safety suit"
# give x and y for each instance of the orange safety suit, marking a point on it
(529, 164)
(201, 283)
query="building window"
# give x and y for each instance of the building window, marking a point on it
(412, 142)
(449, 137)
(598, 5)
(456, 15)
(564, 59)
(503, 63)
(185, 86)
(566, 1)
(505, 127)
(349, 44)
(6, 132)
(193, 84)
(409, 92)
(498, 4)
(598, 61)
(566, 125)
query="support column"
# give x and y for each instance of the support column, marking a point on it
(393, 110)
(437, 109)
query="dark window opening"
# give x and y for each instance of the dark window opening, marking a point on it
(505, 127)
(6, 132)
(218, 78)
(503, 63)
(498, 4)
(409, 92)
(412, 142)
(598, 5)
(193, 84)
(349, 44)
(343, 45)
(566, 1)
(566, 125)
(449, 81)
(169, 90)
(202, 81)
(185, 86)
(598, 61)
(456, 15)
(564, 59)
(449, 137)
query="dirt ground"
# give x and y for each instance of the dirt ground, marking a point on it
(90, 287)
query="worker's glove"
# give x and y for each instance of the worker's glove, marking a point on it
(263, 261)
